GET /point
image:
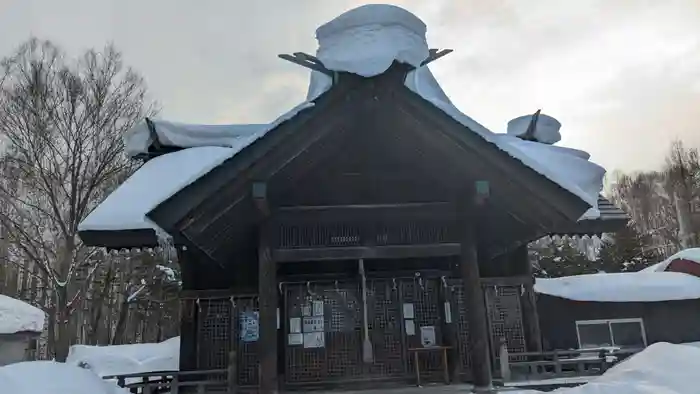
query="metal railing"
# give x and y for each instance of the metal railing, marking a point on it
(559, 364)
(174, 382)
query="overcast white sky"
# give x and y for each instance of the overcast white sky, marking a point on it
(623, 76)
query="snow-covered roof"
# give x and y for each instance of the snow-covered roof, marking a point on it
(564, 166)
(622, 287)
(18, 316)
(162, 177)
(692, 254)
(365, 41)
(150, 185)
(368, 39)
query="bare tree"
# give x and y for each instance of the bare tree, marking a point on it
(683, 182)
(661, 203)
(61, 122)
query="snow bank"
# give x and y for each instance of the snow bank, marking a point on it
(48, 377)
(18, 316)
(127, 359)
(662, 368)
(622, 287)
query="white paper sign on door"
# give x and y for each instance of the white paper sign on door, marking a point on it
(427, 336)
(410, 327)
(314, 340)
(408, 311)
(313, 324)
(295, 325)
(305, 310)
(295, 339)
(318, 308)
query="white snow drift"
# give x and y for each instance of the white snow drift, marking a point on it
(127, 359)
(662, 368)
(48, 377)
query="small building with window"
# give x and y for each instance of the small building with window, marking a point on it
(625, 310)
(20, 326)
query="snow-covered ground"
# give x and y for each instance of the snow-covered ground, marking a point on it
(48, 377)
(127, 359)
(662, 368)
(18, 316)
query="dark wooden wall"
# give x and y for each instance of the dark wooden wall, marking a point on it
(668, 321)
(240, 275)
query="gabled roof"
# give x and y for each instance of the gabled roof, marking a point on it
(129, 206)
(577, 186)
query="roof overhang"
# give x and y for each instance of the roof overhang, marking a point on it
(611, 219)
(123, 239)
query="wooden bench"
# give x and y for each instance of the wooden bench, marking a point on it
(171, 382)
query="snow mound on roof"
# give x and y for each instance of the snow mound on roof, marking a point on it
(692, 254)
(18, 316)
(622, 287)
(569, 168)
(156, 181)
(546, 129)
(662, 368)
(48, 377)
(127, 359)
(188, 135)
(139, 138)
(368, 39)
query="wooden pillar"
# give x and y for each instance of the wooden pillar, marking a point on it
(474, 294)
(188, 313)
(531, 319)
(268, 293)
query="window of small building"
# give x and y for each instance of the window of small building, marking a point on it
(622, 333)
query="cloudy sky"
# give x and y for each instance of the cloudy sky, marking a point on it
(623, 76)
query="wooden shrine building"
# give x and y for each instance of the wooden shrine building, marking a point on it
(365, 226)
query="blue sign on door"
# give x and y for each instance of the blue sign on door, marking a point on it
(249, 326)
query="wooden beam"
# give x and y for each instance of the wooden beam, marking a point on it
(506, 281)
(531, 318)
(307, 61)
(188, 315)
(474, 295)
(268, 302)
(435, 54)
(365, 252)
